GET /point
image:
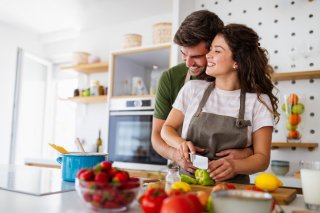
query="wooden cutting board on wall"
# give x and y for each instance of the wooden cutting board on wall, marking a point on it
(282, 196)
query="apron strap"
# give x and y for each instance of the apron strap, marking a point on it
(188, 77)
(204, 99)
(240, 122)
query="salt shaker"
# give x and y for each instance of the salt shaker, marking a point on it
(172, 175)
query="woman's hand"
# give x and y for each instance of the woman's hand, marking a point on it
(184, 148)
(182, 162)
(221, 169)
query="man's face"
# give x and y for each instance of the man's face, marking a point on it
(195, 58)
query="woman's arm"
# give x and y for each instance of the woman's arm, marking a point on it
(170, 135)
(169, 131)
(224, 169)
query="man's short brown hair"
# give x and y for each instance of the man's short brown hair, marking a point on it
(201, 25)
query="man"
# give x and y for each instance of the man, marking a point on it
(194, 36)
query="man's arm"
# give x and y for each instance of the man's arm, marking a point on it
(158, 144)
(166, 150)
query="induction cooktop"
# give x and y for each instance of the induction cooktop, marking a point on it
(31, 180)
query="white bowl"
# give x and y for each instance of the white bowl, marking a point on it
(235, 201)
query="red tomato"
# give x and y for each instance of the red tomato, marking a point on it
(152, 200)
(195, 201)
(182, 204)
(175, 192)
(251, 188)
(230, 186)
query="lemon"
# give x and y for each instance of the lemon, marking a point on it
(181, 186)
(267, 182)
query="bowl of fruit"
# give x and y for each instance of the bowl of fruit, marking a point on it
(107, 189)
(293, 111)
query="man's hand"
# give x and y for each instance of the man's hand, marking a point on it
(235, 153)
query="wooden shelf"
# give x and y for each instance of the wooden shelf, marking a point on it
(296, 75)
(88, 68)
(293, 146)
(89, 99)
(134, 97)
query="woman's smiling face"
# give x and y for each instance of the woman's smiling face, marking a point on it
(219, 58)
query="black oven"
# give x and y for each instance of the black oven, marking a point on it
(129, 135)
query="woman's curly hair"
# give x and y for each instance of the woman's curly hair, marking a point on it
(252, 60)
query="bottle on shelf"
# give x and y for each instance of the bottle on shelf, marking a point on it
(154, 78)
(126, 88)
(99, 143)
(94, 88)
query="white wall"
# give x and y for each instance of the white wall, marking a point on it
(100, 42)
(10, 39)
(284, 26)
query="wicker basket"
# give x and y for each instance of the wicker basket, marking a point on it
(132, 40)
(80, 57)
(162, 32)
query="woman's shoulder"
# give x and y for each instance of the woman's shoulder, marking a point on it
(254, 98)
(198, 84)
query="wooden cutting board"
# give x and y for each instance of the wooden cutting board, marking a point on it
(282, 196)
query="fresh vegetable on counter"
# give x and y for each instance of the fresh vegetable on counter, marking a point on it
(203, 178)
(151, 201)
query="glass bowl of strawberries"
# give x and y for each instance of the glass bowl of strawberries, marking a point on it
(106, 188)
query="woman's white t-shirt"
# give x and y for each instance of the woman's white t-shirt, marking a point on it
(222, 102)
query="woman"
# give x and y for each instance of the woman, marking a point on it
(237, 110)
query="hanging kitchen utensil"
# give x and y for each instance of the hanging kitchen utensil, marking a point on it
(59, 148)
(79, 144)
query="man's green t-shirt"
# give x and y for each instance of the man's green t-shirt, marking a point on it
(169, 85)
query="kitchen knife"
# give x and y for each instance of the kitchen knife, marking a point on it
(199, 161)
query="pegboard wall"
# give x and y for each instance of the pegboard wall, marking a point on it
(290, 31)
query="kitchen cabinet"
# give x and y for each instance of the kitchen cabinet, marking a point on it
(88, 69)
(136, 63)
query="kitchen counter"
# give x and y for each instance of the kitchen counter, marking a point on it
(69, 201)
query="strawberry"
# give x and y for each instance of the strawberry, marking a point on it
(87, 175)
(113, 171)
(97, 197)
(97, 169)
(111, 205)
(81, 171)
(101, 178)
(121, 177)
(130, 185)
(134, 179)
(106, 165)
(87, 197)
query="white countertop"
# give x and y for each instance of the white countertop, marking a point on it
(70, 202)
(14, 202)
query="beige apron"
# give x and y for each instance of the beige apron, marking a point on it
(216, 133)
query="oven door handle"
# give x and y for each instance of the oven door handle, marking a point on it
(123, 113)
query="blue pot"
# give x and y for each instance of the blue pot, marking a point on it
(71, 163)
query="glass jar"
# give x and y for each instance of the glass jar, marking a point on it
(94, 88)
(293, 111)
(172, 175)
